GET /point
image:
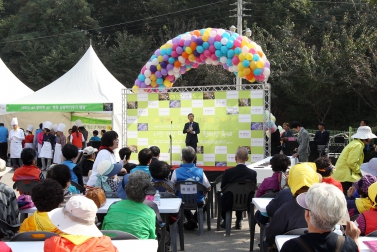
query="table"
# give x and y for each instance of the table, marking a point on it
(122, 245)
(261, 204)
(281, 239)
(166, 207)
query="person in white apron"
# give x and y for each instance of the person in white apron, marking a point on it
(29, 138)
(47, 146)
(60, 142)
(16, 136)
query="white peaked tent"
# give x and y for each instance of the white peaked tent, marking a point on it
(11, 87)
(88, 82)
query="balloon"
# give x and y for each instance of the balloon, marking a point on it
(234, 52)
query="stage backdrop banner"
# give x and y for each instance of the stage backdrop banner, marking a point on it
(92, 124)
(227, 120)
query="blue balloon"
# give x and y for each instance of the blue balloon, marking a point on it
(141, 77)
(230, 54)
(229, 44)
(218, 53)
(161, 87)
(163, 52)
(226, 35)
(169, 51)
(237, 50)
(199, 49)
(257, 71)
(224, 50)
(205, 45)
(217, 45)
(171, 60)
(160, 81)
(256, 57)
(246, 63)
(153, 57)
(202, 31)
(229, 62)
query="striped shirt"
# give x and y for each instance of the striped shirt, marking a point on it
(8, 205)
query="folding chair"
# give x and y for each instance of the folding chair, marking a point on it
(213, 194)
(162, 186)
(118, 235)
(25, 186)
(33, 236)
(189, 191)
(240, 191)
(8, 230)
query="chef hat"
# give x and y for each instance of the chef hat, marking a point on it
(61, 127)
(79, 123)
(47, 125)
(30, 128)
(55, 127)
(14, 121)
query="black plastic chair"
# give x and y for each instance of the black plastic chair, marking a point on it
(33, 236)
(25, 186)
(119, 235)
(162, 186)
(213, 194)
(189, 199)
(8, 230)
(240, 191)
(297, 231)
(373, 234)
(79, 188)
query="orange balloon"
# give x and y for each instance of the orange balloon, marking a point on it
(193, 46)
(260, 54)
(250, 76)
(177, 63)
(197, 33)
(185, 55)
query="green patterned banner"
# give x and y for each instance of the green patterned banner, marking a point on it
(93, 107)
(227, 120)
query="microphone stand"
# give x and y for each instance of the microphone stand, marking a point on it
(171, 144)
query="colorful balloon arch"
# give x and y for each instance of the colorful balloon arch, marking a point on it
(234, 52)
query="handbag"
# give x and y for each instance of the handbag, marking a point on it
(97, 195)
(24, 202)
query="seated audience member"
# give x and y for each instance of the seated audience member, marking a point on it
(29, 171)
(189, 172)
(89, 154)
(324, 206)
(239, 173)
(366, 221)
(325, 168)
(106, 174)
(70, 152)
(357, 206)
(62, 175)
(95, 136)
(160, 171)
(290, 215)
(46, 196)
(145, 158)
(131, 215)
(9, 206)
(155, 152)
(103, 132)
(279, 164)
(125, 155)
(76, 222)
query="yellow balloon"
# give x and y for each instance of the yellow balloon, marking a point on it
(242, 57)
(249, 56)
(158, 67)
(188, 50)
(243, 43)
(160, 58)
(154, 84)
(241, 74)
(167, 83)
(205, 37)
(253, 65)
(152, 77)
(135, 89)
(240, 66)
(246, 71)
(260, 64)
(252, 80)
(192, 57)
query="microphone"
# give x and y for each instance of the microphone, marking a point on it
(171, 122)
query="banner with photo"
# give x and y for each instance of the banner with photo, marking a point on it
(92, 124)
(227, 120)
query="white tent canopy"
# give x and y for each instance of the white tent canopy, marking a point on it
(11, 87)
(88, 82)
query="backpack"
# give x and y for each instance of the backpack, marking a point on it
(24, 202)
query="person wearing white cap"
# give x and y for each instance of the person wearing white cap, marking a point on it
(48, 144)
(54, 129)
(347, 168)
(29, 138)
(77, 221)
(60, 142)
(16, 136)
(9, 206)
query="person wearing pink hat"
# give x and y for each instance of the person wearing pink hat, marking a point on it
(347, 168)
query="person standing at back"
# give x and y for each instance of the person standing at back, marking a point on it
(16, 135)
(322, 137)
(29, 138)
(303, 149)
(85, 134)
(60, 143)
(284, 137)
(77, 138)
(3, 142)
(48, 144)
(192, 130)
(239, 173)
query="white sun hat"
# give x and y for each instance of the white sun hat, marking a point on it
(3, 168)
(369, 168)
(364, 132)
(77, 217)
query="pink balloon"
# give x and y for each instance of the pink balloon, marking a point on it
(252, 50)
(174, 54)
(170, 77)
(143, 69)
(212, 48)
(218, 37)
(235, 60)
(237, 43)
(202, 56)
(182, 42)
(195, 65)
(213, 57)
(207, 53)
(175, 46)
(188, 62)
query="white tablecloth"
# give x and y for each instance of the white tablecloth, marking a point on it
(261, 203)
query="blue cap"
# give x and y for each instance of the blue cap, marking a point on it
(122, 184)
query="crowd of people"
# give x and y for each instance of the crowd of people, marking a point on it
(317, 196)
